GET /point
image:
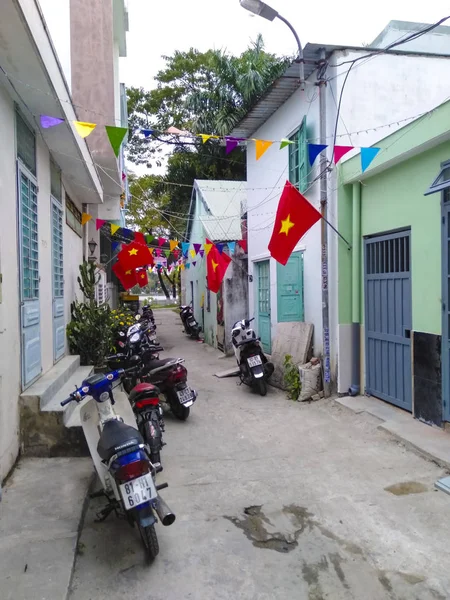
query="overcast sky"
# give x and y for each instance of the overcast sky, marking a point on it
(158, 27)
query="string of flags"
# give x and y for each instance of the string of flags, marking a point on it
(116, 135)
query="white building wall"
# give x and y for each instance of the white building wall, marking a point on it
(57, 18)
(379, 91)
(9, 304)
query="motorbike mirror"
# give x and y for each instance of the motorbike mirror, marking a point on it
(137, 317)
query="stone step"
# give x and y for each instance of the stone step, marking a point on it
(43, 419)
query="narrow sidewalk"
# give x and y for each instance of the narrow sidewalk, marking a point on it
(431, 442)
(41, 515)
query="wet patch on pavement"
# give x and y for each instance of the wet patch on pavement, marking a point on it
(407, 487)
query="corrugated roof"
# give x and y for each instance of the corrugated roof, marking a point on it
(223, 201)
(283, 88)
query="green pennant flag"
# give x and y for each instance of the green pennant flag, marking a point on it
(167, 253)
(116, 135)
(149, 238)
(284, 142)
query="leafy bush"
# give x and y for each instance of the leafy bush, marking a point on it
(292, 378)
(90, 332)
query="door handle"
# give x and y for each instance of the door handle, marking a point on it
(408, 333)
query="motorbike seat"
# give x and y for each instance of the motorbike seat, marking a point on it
(155, 363)
(117, 436)
(144, 390)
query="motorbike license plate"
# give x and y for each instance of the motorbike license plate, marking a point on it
(254, 361)
(185, 396)
(138, 491)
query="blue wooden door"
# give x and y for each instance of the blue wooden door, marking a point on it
(388, 318)
(59, 326)
(263, 304)
(290, 289)
(29, 277)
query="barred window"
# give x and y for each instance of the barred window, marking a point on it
(73, 216)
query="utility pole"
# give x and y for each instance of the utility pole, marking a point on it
(324, 232)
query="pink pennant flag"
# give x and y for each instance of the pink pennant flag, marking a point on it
(176, 131)
(99, 223)
(340, 151)
(123, 176)
(161, 241)
(158, 252)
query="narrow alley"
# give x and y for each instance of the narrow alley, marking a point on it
(275, 499)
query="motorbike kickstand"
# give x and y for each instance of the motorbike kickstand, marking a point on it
(103, 514)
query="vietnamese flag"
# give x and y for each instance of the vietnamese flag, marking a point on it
(127, 278)
(216, 266)
(295, 216)
(142, 278)
(134, 255)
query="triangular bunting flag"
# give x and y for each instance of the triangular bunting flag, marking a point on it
(85, 218)
(284, 142)
(197, 248)
(182, 267)
(208, 248)
(261, 147)
(84, 129)
(340, 151)
(116, 136)
(220, 248)
(127, 233)
(231, 144)
(124, 176)
(185, 247)
(243, 245)
(173, 244)
(149, 238)
(202, 253)
(147, 132)
(158, 251)
(161, 241)
(114, 246)
(188, 265)
(114, 228)
(151, 250)
(232, 247)
(192, 253)
(314, 150)
(176, 253)
(47, 121)
(99, 223)
(367, 156)
(194, 263)
(167, 253)
(205, 137)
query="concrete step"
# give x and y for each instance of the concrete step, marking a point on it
(43, 420)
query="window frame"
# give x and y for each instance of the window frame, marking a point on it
(439, 187)
(72, 209)
(298, 158)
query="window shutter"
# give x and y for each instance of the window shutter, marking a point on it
(303, 158)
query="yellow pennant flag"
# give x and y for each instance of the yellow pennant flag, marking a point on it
(205, 137)
(192, 253)
(173, 244)
(208, 248)
(261, 147)
(150, 250)
(182, 266)
(84, 129)
(114, 228)
(85, 218)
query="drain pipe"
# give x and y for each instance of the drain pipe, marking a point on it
(355, 388)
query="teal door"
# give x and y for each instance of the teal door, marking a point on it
(59, 326)
(290, 289)
(263, 304)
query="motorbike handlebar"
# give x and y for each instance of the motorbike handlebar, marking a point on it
(67, 401)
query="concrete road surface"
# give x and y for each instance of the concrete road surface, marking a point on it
(275, 499)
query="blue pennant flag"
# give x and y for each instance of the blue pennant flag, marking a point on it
(188, 265)
(220, 248)
(128, 234)
(185, 247)
(367, 156)
(114, 246)
(194, 263)
(314, 150)
(232, 247)
(147, 132)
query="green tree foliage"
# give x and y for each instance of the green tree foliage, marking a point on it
(201, 92)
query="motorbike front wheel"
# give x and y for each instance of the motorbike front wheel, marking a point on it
(262, 387)
(150, 540)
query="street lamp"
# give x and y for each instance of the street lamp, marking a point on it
(257, 7)
(92, 247)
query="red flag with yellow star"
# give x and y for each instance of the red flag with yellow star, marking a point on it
(142, 277)
(295, 216)
(134, 255)
(216, 266)
(127, 278)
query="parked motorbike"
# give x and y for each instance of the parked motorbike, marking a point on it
(191, 327)
(254, 368)
(121, 459)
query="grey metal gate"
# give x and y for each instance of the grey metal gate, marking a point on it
(388, 318)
